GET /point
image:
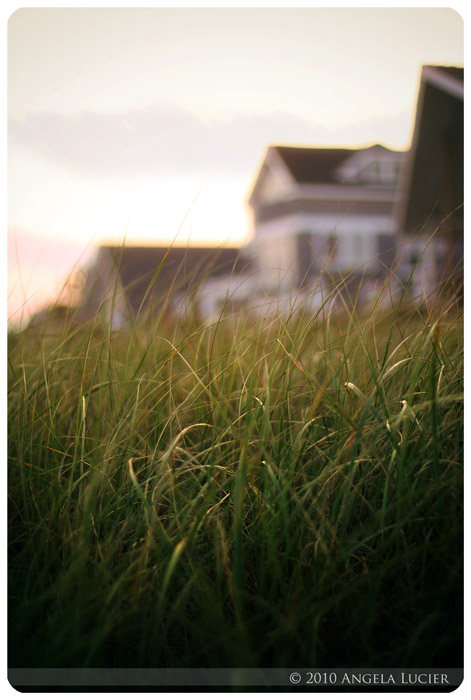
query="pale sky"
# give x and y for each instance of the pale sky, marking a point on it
(151, 123)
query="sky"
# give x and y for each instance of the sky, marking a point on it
(150, 124)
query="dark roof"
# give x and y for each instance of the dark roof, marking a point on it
(313, 164)
(433, 173)
(182, 268)
(453, 71)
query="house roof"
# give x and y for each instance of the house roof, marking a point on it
(432, 180)
(319, 165)
(182, 268)
(304, 165)
(455, 71)
(311, 165)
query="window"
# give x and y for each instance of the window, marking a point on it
(386, 249)
(305, 257)
(332, 245)
(359, 247)
(414, 256)
(379, 172)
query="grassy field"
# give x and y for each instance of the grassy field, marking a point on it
(274, 493)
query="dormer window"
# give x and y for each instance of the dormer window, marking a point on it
(381, 172)
(374, 166)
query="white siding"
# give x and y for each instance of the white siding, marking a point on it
(275, 243)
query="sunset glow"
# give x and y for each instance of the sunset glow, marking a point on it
(150, 124)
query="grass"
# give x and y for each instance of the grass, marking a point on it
(250, 493)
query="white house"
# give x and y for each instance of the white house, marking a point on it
(124, 282)
(323, 218)
(323, 213)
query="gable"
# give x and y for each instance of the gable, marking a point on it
(313, 165)
(285, 168)
(273, 185)
(273, 181)
(376, 165)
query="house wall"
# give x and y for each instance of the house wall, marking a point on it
(432, 183)
(420, 260)
(355, 238)
(222, 295)
(275, 184)
(102, 295)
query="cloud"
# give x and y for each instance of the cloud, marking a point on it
(159, 140)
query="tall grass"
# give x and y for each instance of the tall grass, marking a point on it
(279, 492)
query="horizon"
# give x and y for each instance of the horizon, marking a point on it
(151, 124)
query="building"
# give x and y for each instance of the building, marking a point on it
(323, 214)
(324, 219)
(429, 213)
(125, 282)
